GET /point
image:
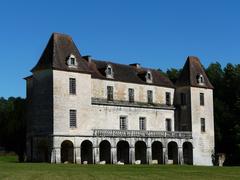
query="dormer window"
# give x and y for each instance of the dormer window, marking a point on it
(109, 71)
(200, 79)
(149, 77)
(71, 61)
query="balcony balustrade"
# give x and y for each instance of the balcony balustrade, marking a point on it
(139, 133)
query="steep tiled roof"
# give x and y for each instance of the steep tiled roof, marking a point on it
(191, 70)
(59, 47)
(127, 73)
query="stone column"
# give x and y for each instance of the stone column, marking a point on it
(77, 153)
(132, 155)
(165, 155)
(180, 155)
(96, 155)
(114, 155)
(57, 152)
(149, 155)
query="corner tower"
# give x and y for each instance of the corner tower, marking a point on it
(194, 102)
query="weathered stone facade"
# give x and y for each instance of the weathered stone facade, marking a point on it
(172, 132)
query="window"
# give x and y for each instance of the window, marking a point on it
(109, 93)
(71, 61)
(72, 86)
(131, 95)
(203, 127)
(149, 77)
(142, 123)
(150, 96)
(73, 118)
(183, 99)
(168, 98)
(201, 99)
(109, 71)
(123, 123)
(200, 79)
(168, 125)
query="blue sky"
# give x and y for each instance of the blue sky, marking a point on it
(154, 33)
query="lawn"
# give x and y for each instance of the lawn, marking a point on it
(10, 169)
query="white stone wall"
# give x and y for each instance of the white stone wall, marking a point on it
(99, 90)
(103, 117)
(203, 142)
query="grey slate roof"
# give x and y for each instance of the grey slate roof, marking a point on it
(191, 69)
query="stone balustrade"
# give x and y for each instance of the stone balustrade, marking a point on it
(139, 133)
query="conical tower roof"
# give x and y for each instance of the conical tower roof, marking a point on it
(58, 49)
(191, 72)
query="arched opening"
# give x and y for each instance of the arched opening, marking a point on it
(188, 153)
(173, 152)
(123, 152)
(86, 152)
(105, 151)
(141, 152)
(157, 152)
(67, 151)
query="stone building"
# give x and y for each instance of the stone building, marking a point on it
(82, 110)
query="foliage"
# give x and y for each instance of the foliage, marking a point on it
(13, 125)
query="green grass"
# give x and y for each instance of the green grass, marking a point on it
(10, 169)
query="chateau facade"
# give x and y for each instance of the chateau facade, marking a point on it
(82, 110)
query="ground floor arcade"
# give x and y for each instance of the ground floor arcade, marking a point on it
(119, 150)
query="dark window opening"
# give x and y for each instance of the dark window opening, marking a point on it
(72, 86)
(73, 118)
(150, 96)
(109, 93)
(168, 98)
(131, 95)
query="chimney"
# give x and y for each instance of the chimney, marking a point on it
(136, 65)
(88, 58)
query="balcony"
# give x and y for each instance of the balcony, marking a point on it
(144, 134)
(105, 102)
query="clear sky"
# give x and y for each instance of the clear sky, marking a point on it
(154, 33)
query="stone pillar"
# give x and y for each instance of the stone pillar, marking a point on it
(114, 155)
(96, 155)
(165, 155)
(77, 153)
(132, 155)
(149, 155)
(57, 154)
(180, 155)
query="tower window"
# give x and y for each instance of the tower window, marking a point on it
(168, 98)
(72, 86)
(131, 95)
(203, 127)
(73, 118)
(71, 61)
(109, 93)
(150, 96)
(200, 79)
(168, 125)
(201, 99)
